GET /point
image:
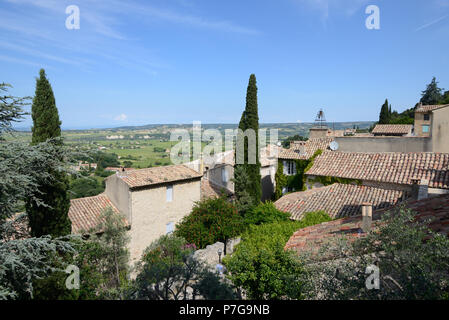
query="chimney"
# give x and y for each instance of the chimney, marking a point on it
(367, 216)
(420, 189)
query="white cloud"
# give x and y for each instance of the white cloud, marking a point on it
(121, 117)
(431, 23)
(326, 7)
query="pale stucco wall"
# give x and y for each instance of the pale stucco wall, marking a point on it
(440, 130)
(151, 212)
(215, 176)
(384, 144)
(120, 195)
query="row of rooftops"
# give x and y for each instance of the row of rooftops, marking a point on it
(310, 239)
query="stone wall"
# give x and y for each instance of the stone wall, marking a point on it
(120, 195)
(384, 144)
(440, 130)
(151, 212)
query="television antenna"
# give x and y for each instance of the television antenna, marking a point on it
(320, 119)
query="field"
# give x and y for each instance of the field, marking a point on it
(148, 146)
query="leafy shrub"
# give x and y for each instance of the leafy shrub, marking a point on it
(211, 220)
(168, 271)
(265, 213)
(85, 187)
(261, 266)
(413, 263)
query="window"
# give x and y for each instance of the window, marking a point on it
(169, 228)
(169, 193)
(291, 169)
(426, 117)
(224, 175)
(425, 129)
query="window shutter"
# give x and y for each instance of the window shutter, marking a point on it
(285, 163)
(169, 193)
(169, 228)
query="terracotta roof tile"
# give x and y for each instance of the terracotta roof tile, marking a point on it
(210, 189)
(157, 175)
(311, 238)
(392, 129)
(85, 213)
(428, 108)
(390, 167)
(338, 200)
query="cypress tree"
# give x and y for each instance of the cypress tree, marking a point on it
(250, 120)
(53, 218)
(384, 116)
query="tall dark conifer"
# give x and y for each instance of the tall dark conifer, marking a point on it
(433, 94)
(51, 219)
(384, 116)
(250, 120)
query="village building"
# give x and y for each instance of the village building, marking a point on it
(339, 200)
(312, 238)
(393, 130)
(388, 170)
(218, 170)
(152, 201)
(430, 133)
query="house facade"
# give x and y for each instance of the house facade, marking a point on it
(151, 201)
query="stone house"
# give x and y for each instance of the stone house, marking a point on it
(300, 150)
(388, 170)
(312, 238)
(424, 115)
(218, 170)
(152, 201)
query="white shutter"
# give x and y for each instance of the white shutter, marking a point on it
(224, 175)
(169, 193)
(285, 163)
(169, 228)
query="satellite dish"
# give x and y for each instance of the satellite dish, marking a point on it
(279, 144)
(334, 145)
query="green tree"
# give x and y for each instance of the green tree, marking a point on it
(412, 259)
(85, 187)
(22, 166)
(433, 94)
(265, 213)
(169, 271)
(51, 218)
(211, 220)
(250, 121)
(385, 111)
(445, 98)
(262, 267)
(244, 202)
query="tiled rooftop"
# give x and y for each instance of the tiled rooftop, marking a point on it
(303, 150)
(85, 213)
(311, 238)
(389, 167)
(392, 129)
(338, 200)
(424, 109)
(210, 189)
(158, 175)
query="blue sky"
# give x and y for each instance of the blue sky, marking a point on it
(176, 61)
